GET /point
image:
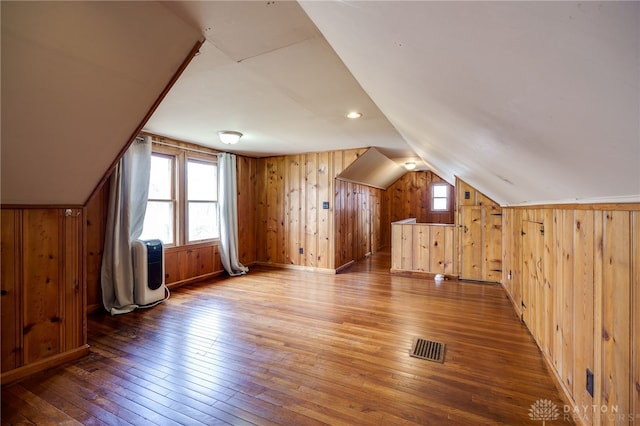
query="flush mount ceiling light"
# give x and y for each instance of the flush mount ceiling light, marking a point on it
(410, 165)
(229, 136)
(354, 114)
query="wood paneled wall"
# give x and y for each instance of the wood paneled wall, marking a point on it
(410, 197)
(43, 315)
(247, 209)
(575, 277)
(291, 219)
(357, 221)
(186, 264)
(423, 248)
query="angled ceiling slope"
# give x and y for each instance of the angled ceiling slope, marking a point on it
(77, 80)
(373, 169)
(531, 102)
(267, 72)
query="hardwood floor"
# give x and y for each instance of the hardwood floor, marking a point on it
(296, 348)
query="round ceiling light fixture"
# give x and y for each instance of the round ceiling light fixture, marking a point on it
(410, 165)
(354, 114)
(229, 137)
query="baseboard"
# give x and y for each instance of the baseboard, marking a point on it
(194, 280)
(20, 373)
(94, 308)
(565, 394)
(297, 267)
(345, 266)
(420, 274)
(516, 306)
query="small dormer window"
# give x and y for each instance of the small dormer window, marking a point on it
(440, 197)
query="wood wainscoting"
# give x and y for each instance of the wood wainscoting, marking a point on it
(423, 248)
(573, 274)
(284, 347)
(192, 263)
(43, 305)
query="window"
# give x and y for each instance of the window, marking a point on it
(183, 197)
(202, 200)
(159, 219)
(440, 196)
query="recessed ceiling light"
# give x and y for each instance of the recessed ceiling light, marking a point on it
(354, 114)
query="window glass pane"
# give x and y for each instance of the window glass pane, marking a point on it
(440, 191)
(203, 221)
(202, 181)
(160, 180)
(440, 204)
(158, 222)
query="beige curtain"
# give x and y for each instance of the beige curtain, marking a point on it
(228, 208)
(126, 210)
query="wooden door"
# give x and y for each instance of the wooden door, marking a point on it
(491, 243)
(471, 243)
(481, 243)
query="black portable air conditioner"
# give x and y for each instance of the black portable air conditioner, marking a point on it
(148, 271)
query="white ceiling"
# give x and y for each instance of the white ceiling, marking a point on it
(267, 72)
(531, 102)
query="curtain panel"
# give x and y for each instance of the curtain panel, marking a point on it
(127, 206)
(228, 208)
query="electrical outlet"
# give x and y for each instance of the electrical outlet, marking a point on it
(325, 205)
(301, 250)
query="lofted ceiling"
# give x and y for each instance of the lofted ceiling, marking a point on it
(266, 71)
(530, 102)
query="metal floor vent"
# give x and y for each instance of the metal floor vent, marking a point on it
(427, 349)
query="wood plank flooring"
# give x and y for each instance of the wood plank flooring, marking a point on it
(282, 347)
